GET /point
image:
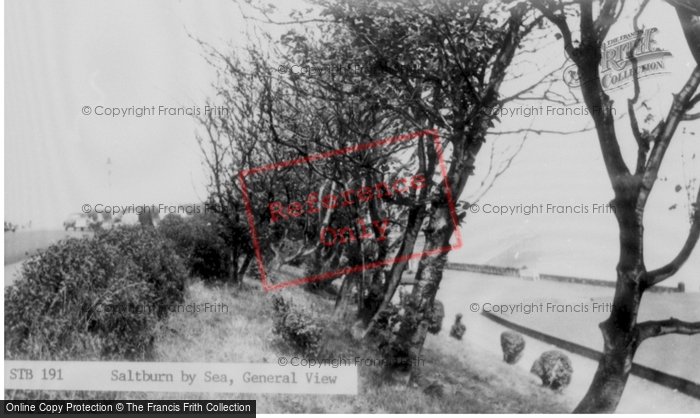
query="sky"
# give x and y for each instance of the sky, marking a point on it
(63, 56)
(569, 170)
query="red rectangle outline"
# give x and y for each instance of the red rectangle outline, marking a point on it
(251, 221)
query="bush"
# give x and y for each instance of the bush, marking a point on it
(157, 259)
(197, 241)
(512, 345)
(296, 327)
(554, 368)
(84, 299)
(458, 329)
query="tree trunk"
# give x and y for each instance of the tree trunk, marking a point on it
(244, 267)
(412, 335)
(427, 157)
(415, 221)
(343, 301)
(620, 345)
(233, 266)
(620, 333)
(322, 260)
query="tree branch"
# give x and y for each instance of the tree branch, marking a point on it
(665, 133)
(650, 329)
(560, 22)
(663, 273)
(606, 18)
(530, 87)
(689, 16)
(642, 140)
(540, 131)
(693, 102)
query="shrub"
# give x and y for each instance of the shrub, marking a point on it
(84, 299)
(296, 327)
(198, 242)
(157, 259)
(512, 345)
(386, 321)
(554, 368)
(458, 329)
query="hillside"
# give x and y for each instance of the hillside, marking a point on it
(475, 381)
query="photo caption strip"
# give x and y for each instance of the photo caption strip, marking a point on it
(179, 377)
(239, 408)
(343, 151)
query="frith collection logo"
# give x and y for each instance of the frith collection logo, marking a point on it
(616, 68)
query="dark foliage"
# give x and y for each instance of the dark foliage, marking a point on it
(513, 345)
(198, 241)
(554, 368)
(93, 298)
(296, 327)
(458, 329)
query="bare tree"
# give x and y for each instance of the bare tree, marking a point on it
(237, 140)
(622, 333)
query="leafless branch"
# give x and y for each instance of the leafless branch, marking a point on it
(663, 273)
(541, 131)
(650, 329)
(558, 20)
(664, 134)
(642, 141)
(531, 87)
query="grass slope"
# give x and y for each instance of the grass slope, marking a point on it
(476, 382)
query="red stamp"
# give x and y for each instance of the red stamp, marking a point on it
(333, 210)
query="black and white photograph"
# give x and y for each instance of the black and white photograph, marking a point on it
(351, 207)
